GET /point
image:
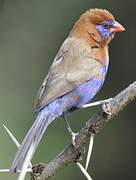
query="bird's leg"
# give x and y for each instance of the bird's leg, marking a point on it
(96, 103)
(70, 130)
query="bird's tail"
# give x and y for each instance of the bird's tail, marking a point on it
(33, 137)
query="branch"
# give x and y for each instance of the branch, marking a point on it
(71, 154)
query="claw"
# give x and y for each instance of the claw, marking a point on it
(106, 107)
(74, 138)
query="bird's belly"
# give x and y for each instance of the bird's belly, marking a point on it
(88, 90)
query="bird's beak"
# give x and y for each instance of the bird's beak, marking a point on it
(117, 27)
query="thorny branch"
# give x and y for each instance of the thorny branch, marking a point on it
(71, 154)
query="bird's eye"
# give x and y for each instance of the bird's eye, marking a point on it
(106, 26)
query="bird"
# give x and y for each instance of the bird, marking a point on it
(74, 78)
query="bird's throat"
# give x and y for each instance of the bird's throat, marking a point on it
(100, 54)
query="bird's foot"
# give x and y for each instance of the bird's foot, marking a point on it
(74, 138)
(106, 107)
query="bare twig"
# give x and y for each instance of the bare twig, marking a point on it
(93, 126)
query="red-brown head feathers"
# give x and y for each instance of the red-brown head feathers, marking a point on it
(95, 26)
(97, 16)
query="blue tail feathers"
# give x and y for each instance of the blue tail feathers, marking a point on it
(34, 135)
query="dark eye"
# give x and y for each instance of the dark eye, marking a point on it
(107, 26)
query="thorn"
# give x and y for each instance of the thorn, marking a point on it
(84, 171)
(8, 170)
(12, 136)
(89, 151)
(4, 170)
(97, 103)
(14, 140)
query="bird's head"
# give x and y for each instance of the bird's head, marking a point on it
(97, 25)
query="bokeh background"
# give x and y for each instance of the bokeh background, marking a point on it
(31, 33)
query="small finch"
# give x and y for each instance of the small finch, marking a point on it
(76, 75)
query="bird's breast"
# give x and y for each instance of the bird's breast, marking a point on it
(100, 54)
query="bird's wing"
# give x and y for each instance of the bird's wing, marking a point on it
(67, 72)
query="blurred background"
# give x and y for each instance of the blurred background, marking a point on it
(31, 33)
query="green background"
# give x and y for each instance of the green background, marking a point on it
(31, 32)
